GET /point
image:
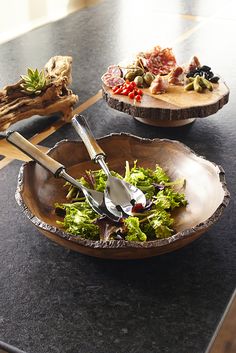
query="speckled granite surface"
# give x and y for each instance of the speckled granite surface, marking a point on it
(53, 300)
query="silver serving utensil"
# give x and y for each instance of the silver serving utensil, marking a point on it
(118, 192)
(8, 348)
(94, 198)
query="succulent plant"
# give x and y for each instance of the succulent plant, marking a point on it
(34, 82)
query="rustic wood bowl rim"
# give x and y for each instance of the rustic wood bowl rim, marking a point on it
(117, 244)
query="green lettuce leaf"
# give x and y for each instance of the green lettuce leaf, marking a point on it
(79, 220)
(134, 232)
(169, 199)
(158, 225)
(154, 222)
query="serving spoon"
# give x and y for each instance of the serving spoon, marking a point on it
(119, 195)
(94, 198)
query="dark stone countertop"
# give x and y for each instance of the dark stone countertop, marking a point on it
(53, 300)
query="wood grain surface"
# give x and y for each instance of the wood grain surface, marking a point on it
(38, 191)
(175, 107)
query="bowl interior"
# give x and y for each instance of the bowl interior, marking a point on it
(204, 190)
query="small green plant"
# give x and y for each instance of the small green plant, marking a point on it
(34, 82)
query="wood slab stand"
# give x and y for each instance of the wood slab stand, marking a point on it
(174, 108)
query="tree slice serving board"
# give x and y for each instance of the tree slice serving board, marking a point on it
(176, 107)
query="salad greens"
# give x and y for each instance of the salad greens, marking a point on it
(79, 219)
(134, 233)
(152, 222)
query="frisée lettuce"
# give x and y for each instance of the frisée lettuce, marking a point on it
(155, 221)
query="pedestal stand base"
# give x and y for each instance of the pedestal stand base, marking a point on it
(165, 123)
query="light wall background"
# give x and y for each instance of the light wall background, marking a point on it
(20, 16)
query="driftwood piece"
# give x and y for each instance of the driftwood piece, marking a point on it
(16, 105)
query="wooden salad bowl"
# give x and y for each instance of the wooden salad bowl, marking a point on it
(205, 189)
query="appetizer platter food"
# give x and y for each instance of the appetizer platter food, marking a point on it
(185, 194)
(154, 89)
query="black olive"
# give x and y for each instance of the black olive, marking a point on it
(192, 73)
(189, 74)
(60, 212)
(205, 68)
(214, 79)
(210, 74)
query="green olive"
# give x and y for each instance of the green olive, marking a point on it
(139, 71)
(130, 75)
(189, 87)
(207, 83)
(196, 84)
(139, 81)
(148, 78)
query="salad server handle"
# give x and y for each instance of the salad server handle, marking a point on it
(33, 152)
(62, 174)
(82, 128)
